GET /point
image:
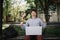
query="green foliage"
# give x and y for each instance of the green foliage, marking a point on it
(19, 30)
(52, 7)
(52, 31)
(49, 31)
(6, 6)
(57, 32)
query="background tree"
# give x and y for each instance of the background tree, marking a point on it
(46, 6)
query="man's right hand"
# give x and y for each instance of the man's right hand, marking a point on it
(21, 23)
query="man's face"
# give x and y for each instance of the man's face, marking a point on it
(33, 13)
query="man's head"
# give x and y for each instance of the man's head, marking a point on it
(34, 12)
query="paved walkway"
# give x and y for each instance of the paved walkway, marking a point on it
(48, 38)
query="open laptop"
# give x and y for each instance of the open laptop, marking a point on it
(33, 30)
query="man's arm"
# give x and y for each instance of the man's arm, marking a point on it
(24, 25)
(42, 24)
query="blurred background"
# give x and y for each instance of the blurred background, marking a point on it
(16, 11)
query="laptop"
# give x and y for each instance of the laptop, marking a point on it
(33, 30)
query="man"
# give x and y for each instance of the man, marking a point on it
(34, 21)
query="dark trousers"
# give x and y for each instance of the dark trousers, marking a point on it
(33, 37)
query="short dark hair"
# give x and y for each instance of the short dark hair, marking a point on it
(35, 10)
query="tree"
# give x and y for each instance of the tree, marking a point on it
(6, 8)
(45, 5)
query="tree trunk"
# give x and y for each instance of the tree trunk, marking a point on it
(47, 16)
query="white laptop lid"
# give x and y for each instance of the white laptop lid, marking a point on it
(33, 30)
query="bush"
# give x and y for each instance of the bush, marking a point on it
(52, 32)
(19, 30)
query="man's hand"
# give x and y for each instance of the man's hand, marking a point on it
(21, 23)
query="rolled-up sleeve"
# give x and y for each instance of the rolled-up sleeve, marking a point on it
(42, 24)
(25, 25)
